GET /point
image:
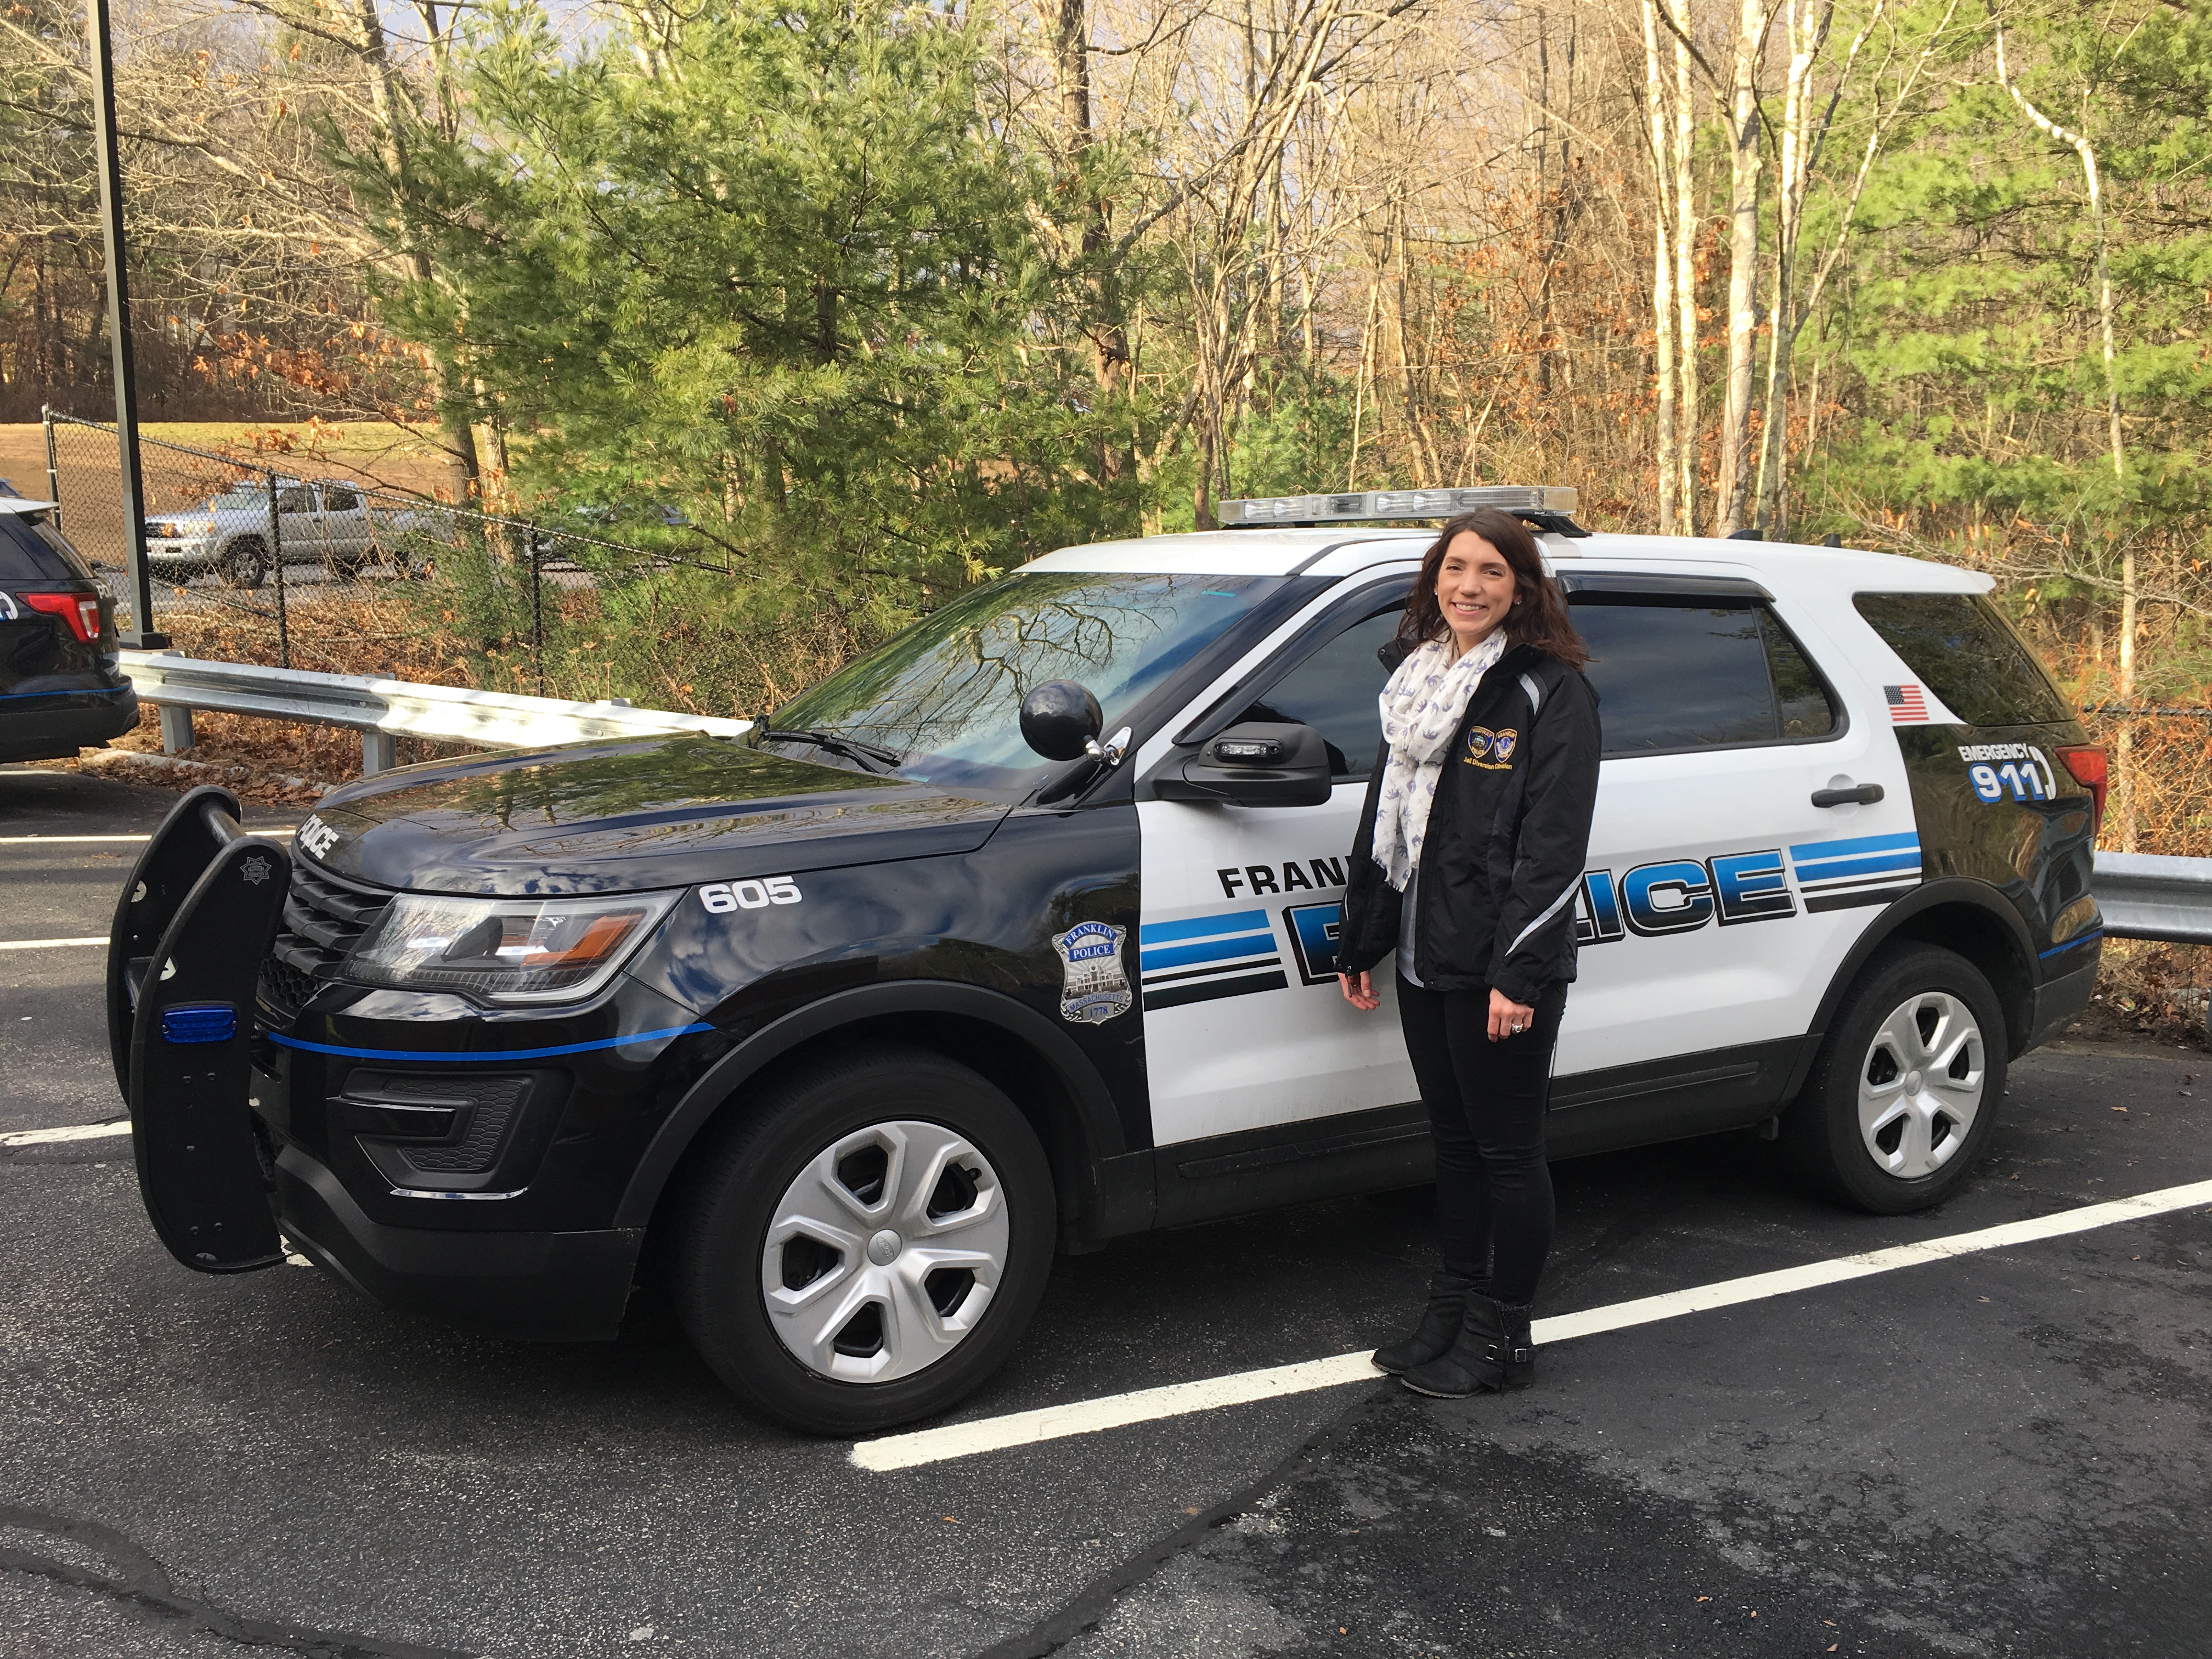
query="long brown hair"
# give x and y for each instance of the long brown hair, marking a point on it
(1539, 616)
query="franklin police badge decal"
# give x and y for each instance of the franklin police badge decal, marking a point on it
(1094, 987)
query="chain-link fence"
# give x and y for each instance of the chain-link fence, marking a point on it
(2162, 753)
(254, 561)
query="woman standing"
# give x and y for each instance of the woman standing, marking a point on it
(1469, 853)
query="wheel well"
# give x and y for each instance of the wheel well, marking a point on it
(1969, 931)
(1016, 1069)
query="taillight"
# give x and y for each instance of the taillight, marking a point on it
(2089, 769)
(80, 611)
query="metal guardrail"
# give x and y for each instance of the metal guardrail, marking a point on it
(383, 710)
(2146, 897)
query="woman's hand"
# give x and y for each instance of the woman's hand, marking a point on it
(1507, 1017)
(1361, 995)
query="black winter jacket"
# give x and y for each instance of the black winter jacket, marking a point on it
(1502, 853)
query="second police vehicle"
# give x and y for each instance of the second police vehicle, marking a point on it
(1017, 935)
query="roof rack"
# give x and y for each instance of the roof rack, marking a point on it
(1548, 507)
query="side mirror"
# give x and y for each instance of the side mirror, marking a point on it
(1061, 720)
(1258, 763)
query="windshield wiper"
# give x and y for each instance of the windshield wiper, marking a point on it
(837, 743)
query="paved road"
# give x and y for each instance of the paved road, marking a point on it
(2002, 1453)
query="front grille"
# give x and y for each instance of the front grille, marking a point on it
(323, 917)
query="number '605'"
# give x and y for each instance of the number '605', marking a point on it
(722, 897)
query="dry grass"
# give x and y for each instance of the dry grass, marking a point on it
(2149, 989)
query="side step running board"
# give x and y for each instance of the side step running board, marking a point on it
(191, 929)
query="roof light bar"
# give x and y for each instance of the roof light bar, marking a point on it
(1537, 502)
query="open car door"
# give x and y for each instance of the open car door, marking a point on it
(191, 929)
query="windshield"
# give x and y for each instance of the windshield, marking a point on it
(241, 498)
(946, 695)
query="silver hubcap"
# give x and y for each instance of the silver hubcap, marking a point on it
(884, 1252)
(1920, 1085)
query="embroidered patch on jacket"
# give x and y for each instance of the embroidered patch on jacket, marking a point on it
(1491, 750)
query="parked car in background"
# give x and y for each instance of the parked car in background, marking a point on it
(235, 537)
(61, 687)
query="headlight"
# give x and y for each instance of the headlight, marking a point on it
(506, 950)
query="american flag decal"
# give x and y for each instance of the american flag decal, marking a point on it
(1906, 706)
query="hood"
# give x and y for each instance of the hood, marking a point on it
(625, 816)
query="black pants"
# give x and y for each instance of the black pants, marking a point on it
(1486, 1102)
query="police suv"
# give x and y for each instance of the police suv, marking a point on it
(1017, 935)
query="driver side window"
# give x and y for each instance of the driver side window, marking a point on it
(1335, 689)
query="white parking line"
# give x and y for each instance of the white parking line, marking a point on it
(906, 1451)
(48, 944)
(56, 840)
(74, 1132)
(63, 840)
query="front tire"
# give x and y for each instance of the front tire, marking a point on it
(1902, 1096)
(244, 563)
(865, 1244)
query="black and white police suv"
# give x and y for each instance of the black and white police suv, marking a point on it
(1017, 934)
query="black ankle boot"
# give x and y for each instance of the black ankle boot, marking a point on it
(1493, 1351)
(1439, 1327)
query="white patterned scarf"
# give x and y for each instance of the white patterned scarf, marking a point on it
(1422, 707)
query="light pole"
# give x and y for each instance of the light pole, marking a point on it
(140, 635)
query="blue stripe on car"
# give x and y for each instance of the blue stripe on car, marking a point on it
(442, 1054)
(1212, 949)
(1233, 921)
(1857, 844)
(1831, 868)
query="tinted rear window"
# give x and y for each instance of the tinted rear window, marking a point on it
(1672, 676)
(1966, 653)
(32, 550)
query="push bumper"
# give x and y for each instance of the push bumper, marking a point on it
(538, 1286)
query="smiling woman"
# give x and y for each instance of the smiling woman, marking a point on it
(1470, 853)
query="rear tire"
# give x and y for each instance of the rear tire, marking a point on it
(865, 1244)
(1902, 1096)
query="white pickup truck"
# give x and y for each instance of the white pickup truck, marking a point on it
(235, 537)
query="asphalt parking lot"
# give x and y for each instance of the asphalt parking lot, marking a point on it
(2000, 1453)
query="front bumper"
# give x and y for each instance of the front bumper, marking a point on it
(539, 1286)
(440, 1160)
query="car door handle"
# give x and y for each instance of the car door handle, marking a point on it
(1864, 794)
